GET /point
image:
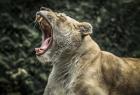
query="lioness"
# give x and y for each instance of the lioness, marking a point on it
(80, 67)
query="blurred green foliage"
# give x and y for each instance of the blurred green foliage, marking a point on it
(116, 29)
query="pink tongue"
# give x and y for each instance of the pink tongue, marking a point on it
(45, 44)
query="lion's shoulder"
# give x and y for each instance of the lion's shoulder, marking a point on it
(134, 62)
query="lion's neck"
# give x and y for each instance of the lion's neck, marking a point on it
(63, 70)
(66, 65)
(88, 45)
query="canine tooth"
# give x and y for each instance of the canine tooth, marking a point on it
(40, 19)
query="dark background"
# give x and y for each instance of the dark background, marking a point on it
(116, 29)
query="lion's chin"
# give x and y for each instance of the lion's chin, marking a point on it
(45, 58)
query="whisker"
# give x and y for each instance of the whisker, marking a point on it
(30, 24)
(35, 24)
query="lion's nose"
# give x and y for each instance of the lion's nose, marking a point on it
(42, 13)
(46, 9)
(38, 13)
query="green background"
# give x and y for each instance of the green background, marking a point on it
(116, 29)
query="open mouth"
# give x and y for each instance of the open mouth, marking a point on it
(47, 37)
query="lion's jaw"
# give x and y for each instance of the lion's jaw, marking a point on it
(65, 37)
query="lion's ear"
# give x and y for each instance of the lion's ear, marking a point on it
(85, 28)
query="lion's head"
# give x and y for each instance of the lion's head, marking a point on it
(61, 34)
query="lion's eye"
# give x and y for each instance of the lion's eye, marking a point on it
(61, 16)
(49, 17)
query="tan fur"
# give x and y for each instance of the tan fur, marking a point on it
(80, 67)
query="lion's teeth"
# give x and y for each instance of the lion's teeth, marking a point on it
(40, 19)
